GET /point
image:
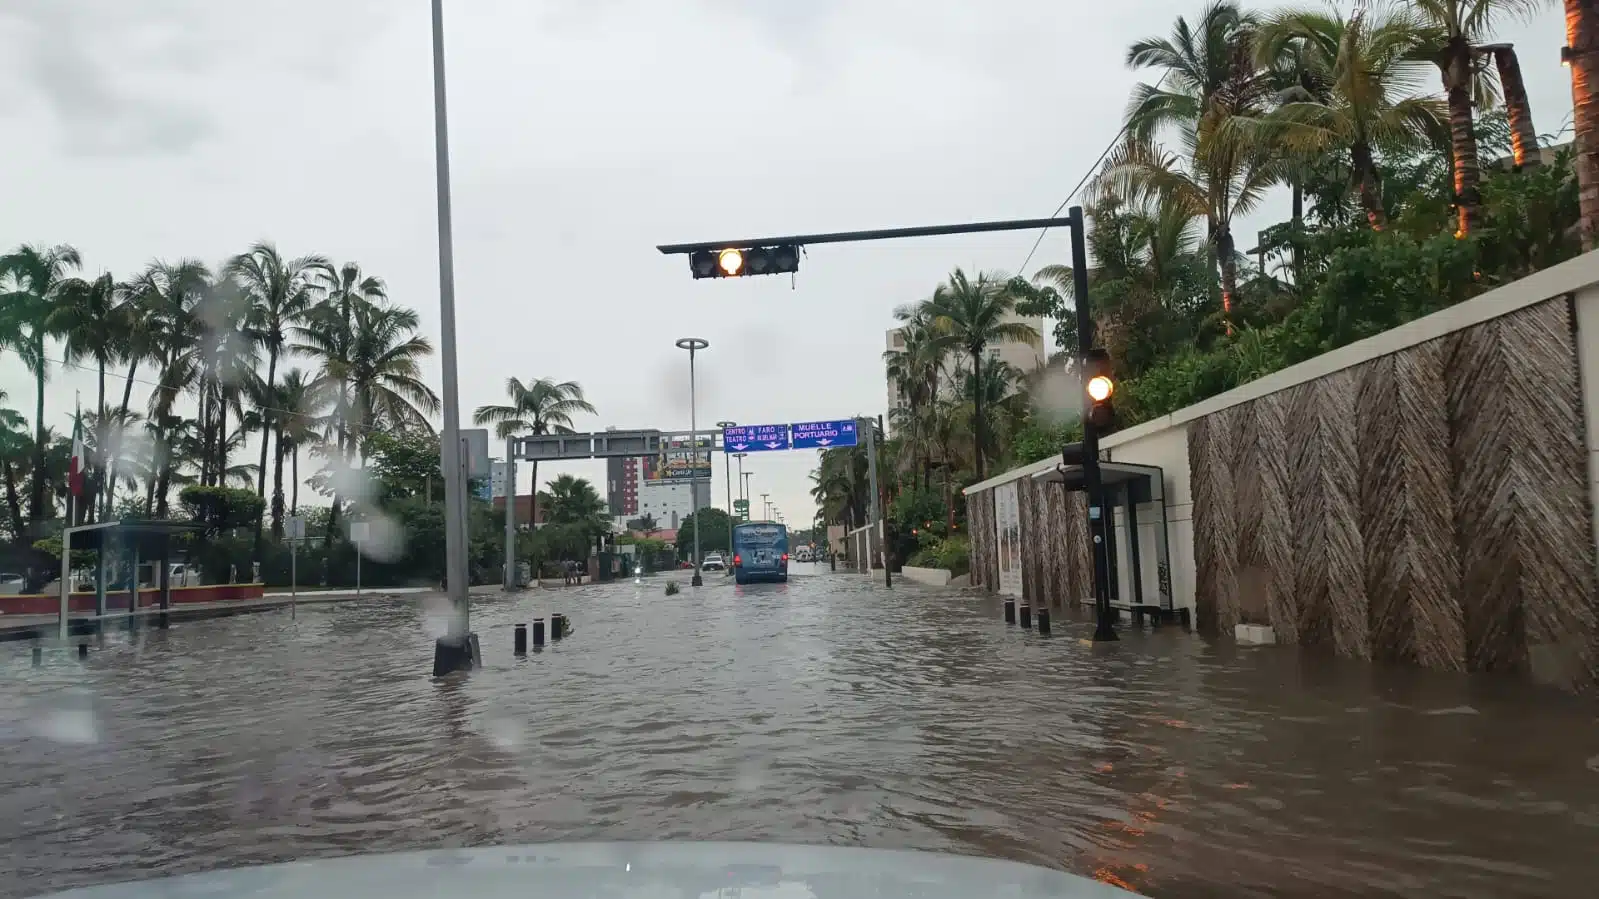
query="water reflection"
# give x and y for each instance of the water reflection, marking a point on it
(825, 710)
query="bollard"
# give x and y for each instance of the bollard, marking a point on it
(38, 656)
(83, 650)
(519, 640)
(1010, 611)
(557, 626)
(1027, 616)
(1043, 622)
(538, 632)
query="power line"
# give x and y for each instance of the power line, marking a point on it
(1121, 132)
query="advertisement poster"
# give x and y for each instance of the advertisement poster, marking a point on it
(1008, 538)
(680, 460)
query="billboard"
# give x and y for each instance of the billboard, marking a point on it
(680, 460)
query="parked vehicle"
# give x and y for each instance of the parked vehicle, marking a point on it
(713, 562)
(760, 552)
(11, 584)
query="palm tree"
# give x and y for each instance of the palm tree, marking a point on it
(37, 278)
(1459, 25)
(1518, 106)
(14, 449)
(88, 320)
(1366, 63)
(573, 500)
(296, 427)
(539, 407)
(1582, 41)
(280, 292)
(971, 315)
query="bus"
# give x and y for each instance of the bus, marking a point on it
(760, 552)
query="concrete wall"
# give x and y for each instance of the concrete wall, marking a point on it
(1424, 496)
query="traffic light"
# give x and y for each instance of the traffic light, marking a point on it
(1101, 387)
(736, 262)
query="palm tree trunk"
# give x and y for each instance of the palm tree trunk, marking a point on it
(980, 425)
(13, 503)
(1365, 172)
(36, 494)
(1462, 140)
(1582, 40)
(102, 442)
(1226, 258)
(1518, 109)
(277, 487)
(266, 428)
(222, 440)
(122, 424)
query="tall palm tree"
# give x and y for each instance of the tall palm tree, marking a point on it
(280, 292)
(1459, 26)
(296, 428)
(1582, 43)
(539, 407)
(1518, 106)
(32, 281)
(1369, 65)
(970, 316)
(90, 324)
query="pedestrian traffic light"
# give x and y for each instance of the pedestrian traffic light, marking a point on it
(736, 262)
(1101, 387)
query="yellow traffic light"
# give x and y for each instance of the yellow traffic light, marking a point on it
(731, 262)
(1100, 387)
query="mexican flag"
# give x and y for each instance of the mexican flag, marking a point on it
(75, 471)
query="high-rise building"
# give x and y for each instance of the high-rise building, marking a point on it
(622, 477)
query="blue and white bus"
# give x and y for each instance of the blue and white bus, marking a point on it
(760, 552)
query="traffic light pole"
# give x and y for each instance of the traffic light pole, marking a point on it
(1093, 484)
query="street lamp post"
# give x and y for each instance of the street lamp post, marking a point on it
(766, 508)
(456, 650)
(877, 515)
(693, 345)
(727, 468)
(743, 482)
(745, 494)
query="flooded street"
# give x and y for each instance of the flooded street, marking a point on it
(824, 711)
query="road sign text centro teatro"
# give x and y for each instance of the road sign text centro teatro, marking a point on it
(798, 435)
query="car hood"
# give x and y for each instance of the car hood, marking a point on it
(626, 871)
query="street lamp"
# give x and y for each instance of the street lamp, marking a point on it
(693, 345)
(766, 508)
(743, 482)
(727, 467)
(457, 649)
(745, 494)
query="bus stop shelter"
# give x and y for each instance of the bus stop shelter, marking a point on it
(142, 540)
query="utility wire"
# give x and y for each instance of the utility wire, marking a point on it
(1120, 133)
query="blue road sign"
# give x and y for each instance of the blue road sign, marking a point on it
(755, 438)
(823, 434)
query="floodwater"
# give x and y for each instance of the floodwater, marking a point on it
(828, 710)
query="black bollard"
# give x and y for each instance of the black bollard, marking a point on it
(1010, 611)
(38, 656)
(557, 626)
(519, 640)
(1027, 616)
(83, 650)
(1043, 622)
(538, 632)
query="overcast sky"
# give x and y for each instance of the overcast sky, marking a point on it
(584, 133)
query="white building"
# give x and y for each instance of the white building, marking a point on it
(669, 502)
(497, 471)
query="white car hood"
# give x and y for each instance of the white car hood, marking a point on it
(626, 871)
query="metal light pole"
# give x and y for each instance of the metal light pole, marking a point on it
(693, 345)
(510, 513)
(454, 651)
(727, 467)
(1099, 532)
(766, 508)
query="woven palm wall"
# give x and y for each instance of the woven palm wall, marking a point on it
(1430, 506)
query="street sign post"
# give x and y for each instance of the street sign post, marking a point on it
(822, 434)
(755, 439)
(360, 532)
(295, 530)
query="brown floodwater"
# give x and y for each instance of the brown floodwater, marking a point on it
(828, 710)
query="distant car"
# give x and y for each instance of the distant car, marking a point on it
(713, 562)
(11, 584)
(803, 554)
